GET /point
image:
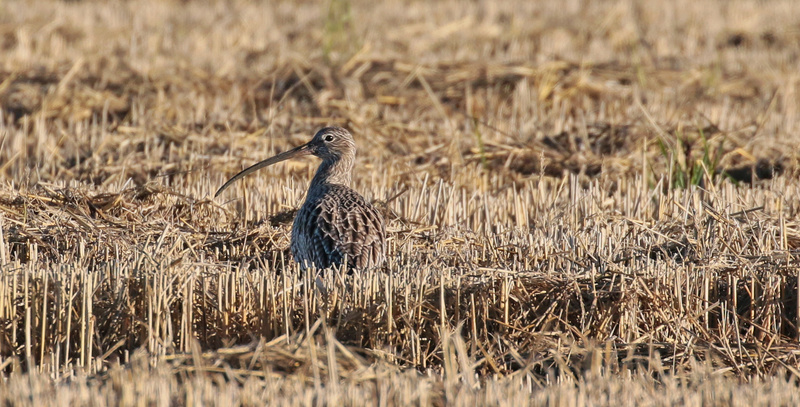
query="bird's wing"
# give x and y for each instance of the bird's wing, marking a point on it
(350, 226)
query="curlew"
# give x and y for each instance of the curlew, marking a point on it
(335, 222)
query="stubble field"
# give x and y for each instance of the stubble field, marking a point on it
(587, 202)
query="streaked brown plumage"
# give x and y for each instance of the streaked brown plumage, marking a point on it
(334, 222)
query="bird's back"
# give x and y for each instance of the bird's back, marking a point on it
(335, 222)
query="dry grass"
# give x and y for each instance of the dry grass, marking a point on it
(587, 203)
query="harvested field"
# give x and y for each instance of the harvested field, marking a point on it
(588, 203)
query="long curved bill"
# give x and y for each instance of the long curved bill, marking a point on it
(295, 152)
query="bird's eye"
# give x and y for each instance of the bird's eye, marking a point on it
(328, 138)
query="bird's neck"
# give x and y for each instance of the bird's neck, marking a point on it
(334, 172)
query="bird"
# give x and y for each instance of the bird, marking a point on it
(335, 222)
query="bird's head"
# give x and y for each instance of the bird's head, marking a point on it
(331, 144)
